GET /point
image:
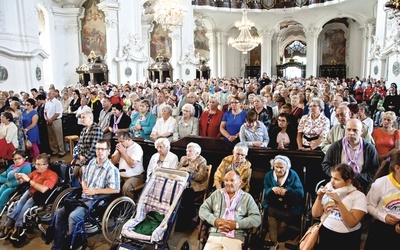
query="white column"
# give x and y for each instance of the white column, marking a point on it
(176, 52)
(219, 53)
(20, 51)
(312, 38)
(65, 44)
(111, 9)
(266, 51)
(364, 50)
(224, 41)
(371, 31)
(213, 53)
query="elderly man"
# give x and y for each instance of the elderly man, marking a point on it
(337, 132)
(337, 100)
(129, 155)
(192, 99)
(99, 177)
(157, 108)
(238, 162)
(229, 211)
(354, 151)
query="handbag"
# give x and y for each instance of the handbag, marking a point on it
(310, 238)
(28, 143)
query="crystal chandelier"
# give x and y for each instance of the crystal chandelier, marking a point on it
(393, 4)
(245, 41)
(169, 14)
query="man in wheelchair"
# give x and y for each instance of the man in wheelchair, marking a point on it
(100, 177)
(41, 181)
(229, 211)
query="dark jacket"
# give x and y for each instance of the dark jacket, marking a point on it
(371, 161)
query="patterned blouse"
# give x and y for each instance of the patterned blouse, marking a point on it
(313, 128)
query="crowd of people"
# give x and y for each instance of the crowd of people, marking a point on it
(353, 122)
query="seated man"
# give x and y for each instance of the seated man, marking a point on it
(129, 154)
(41, 181)
(229, 211)
(354, 151)
(90, 135)
(337, 132)
(238, 162)
(99, 177)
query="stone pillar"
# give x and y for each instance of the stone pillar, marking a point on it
(213, 53)
(266, 51)
(111, 11)
(66, 44)
(20, 51)
(224, 44)
(219, 53)
(312, 46)
(366, 37)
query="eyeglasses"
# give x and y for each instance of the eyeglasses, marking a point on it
(17, 158)
(101, 149)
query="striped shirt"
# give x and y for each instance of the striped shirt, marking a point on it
(101, 176)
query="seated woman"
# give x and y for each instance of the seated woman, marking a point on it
(41, 181)
(165, 125)
(143, 121)
(8, 136)
(381, 202)
(284, 135)
(7, 178)
(187, 124)
(387, 138)
(283, 196)
(313, 127)
(238, 162)
(344, 207)
(211, 119)
(194, 163)
(254, 133)
(163, 158)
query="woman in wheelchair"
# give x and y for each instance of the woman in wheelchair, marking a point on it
(344, 206)
(283, 195)
(41, 181)
(7, 178)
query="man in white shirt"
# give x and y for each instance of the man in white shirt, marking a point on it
(129, 154)
(53, 113)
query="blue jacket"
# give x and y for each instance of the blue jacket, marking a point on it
(147, 124)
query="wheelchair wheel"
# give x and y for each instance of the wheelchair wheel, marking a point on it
(60, 197)
(9, 207)
(184, 244)
(116, 215)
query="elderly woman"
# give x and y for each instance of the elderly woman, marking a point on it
(387, 138)
(232, 120)
(186, 124)
(194, 163)
(210, 120)
(163, 158)
(236, 161)
(264, 114)
(165, 126)
(82, 109)
(283, 195)
(143, 121)
(8, 136)
(254, 133)
(313, 127)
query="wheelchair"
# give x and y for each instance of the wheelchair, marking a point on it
(107, 213)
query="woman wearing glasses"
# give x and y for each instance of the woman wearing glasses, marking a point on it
(232, 120)
(211, 118)
(7, 178)
(30, 118)
(313, 127)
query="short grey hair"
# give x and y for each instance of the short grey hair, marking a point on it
(163, 141)
(241, 146)
(283, 159)
(319, 101)
(195, 146)
(190, 106)
(88, 114)
(214, 97)
(168, 108)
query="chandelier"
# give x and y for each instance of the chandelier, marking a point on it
(393, 4)
(245, 41)
(169, 14)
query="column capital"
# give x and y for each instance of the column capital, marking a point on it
(108, 5)
(312, 32)
(266, 34)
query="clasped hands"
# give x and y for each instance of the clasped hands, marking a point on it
(225, 225)
(279, 190)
